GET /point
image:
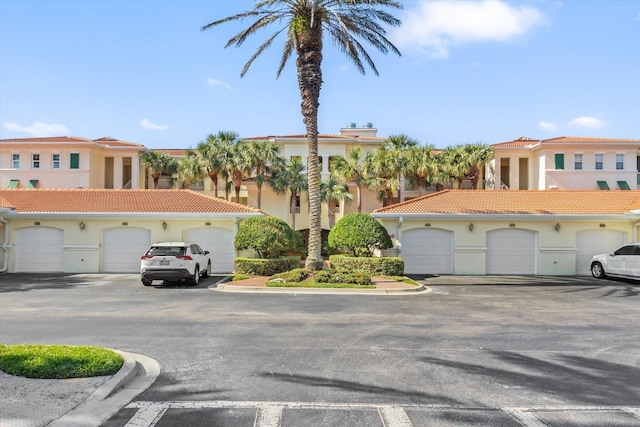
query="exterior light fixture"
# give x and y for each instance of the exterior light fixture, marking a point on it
(471, 227)
(164, 225)
(557, 227)
(81, 225)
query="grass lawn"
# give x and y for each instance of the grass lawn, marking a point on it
(58, 361)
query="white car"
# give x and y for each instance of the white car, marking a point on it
(623, 262)
(174, 261)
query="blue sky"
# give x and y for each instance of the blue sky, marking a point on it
(471, 71)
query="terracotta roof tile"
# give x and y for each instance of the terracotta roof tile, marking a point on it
(524, 202)
(106, 141)
(525, 142)
(117, 201)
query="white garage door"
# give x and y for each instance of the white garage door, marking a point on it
(39, 250)
(219, 243)
(511, 251)
(122, 249)
(592, 242)
(427, 251)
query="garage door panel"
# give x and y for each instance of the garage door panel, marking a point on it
(122, 249)
(39, 250)
(428, 251)
(592, 242)
(219, 243)
(511, 251)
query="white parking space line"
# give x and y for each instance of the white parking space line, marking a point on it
(269, 416)
(147, 415)
(394, 416)
(526, 419)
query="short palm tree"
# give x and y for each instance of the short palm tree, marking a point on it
(478, 155)
(158, 162)
(260, 155)
(289, 177)
(353, 168)
(389, 166)
(332, 192)
(211, 150)
(191, 169)
(346, 22)
(421, 165)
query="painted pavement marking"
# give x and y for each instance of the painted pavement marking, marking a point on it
(269, 414)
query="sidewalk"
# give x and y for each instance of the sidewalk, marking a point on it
(76, 402)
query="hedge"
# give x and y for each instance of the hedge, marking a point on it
(384, 266)
(264, 266)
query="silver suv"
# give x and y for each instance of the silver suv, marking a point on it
(174, 261)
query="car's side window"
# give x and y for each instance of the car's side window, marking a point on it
(625, 250)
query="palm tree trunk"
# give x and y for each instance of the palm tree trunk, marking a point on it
(292, 209)
(156, 177)
(359, 197)
(214, 180)
(259, 184)
(420, 185)
(309, 58)
(331, 207)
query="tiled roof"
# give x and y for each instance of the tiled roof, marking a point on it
(105, 141)
(320, 136)
(117, 201)
(524, 202)
(524, 142)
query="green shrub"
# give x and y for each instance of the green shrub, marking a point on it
(384, 266)
(270, 237)
(292, 276)
(265, 267)
(335, 276)
(359, 234)
(58, 361)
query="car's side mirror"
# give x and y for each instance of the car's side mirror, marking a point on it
(206, 252)
(612, 254)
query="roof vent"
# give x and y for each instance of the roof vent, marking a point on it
(351, 126)
(369, 125)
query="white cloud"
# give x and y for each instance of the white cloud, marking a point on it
(215, 82)
(547, 127)
(39, 129)
(145, 123)
(434, 26)
(585, 122)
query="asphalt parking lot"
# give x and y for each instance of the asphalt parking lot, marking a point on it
(500, 351)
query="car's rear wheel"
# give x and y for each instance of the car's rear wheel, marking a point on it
(207, 272)
(195, 280)
(146, 282)
(597, 271)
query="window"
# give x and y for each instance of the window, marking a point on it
(559, 161)
(16, 161)
(599, 161)
(578, 162)
(36, 161)
(297, 206)
(74, 161)
(619, 162)
(55, 161)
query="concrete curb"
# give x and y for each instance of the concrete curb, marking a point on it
(318, 291)
(137, 374)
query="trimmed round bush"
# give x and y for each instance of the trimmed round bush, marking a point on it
(360, 234)
(270, 237)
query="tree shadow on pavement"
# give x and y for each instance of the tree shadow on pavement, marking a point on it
(576, 379)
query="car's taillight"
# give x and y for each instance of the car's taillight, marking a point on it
(184, 257)
(146, 257)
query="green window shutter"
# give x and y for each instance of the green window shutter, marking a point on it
(74, 161)
(559, 161)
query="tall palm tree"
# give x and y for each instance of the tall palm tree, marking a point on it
(260, 155)
(158, 162)
(346, 22)
(288, 177)
(332, 192)
(353, 168)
